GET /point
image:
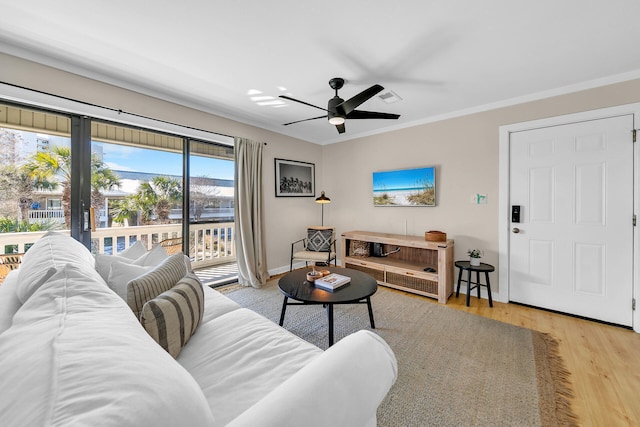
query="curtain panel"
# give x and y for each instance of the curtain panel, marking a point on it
(249, 213)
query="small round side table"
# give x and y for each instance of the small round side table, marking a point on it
(482, 268)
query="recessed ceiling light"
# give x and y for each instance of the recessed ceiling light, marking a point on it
(276, 102)
(261, 98)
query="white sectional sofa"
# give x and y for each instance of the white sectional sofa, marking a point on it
(73, 353)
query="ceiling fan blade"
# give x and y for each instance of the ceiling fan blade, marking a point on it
(360, 114)
(352, 103)
(302, 102)
(305, 120)
(340, 128)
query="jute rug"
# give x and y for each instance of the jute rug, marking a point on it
(454, 368)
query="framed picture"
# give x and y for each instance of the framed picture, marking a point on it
(405, 187)
(295, 179)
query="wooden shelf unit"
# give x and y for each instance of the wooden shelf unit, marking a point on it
(404, 269)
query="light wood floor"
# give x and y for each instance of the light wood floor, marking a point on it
(604, 360)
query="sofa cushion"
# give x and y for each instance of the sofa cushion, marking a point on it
(9, 302)
(51, 250)
(75, 355)
(239, 357)
(172, 317)
(156, 281)
(216, 304)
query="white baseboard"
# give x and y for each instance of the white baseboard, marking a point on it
(484, 294)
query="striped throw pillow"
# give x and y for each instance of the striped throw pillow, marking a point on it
(154, 282)
(172, 317)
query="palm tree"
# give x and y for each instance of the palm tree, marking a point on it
(53, 167)
(127, 209)
(50, 168)
(16, 188)
(166, 193)
(153, 198)
(102, 178)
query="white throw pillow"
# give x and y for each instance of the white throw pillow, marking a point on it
(104, 263)
(154, 256)
(134, 251)
(150, 258)
(122, 273)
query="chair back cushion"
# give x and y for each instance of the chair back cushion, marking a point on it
(319, 240)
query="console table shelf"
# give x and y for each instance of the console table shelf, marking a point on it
(405, 269)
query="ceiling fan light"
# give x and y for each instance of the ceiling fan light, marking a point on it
(336, 120)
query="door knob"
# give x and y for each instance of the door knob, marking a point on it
(516, 230)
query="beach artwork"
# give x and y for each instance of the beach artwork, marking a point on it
(406, 187)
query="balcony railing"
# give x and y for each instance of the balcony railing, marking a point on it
(209, 244)
(44, 215)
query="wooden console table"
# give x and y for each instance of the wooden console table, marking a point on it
(404, 269)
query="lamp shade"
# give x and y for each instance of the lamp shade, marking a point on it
(323, 198)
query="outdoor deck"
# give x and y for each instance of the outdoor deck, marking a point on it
(218, 275)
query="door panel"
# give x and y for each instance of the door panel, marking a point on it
(574, 251)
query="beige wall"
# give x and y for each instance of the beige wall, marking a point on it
(285, 218)
(465, 153)
(464, 150)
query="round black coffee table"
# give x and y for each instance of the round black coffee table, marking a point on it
(295, 286)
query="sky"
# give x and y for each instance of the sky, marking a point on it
(122, 157)
(126, 158)
(403, 179)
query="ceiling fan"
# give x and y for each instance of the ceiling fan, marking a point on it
(338, 109)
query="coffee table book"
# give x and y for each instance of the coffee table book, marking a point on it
(332, 282)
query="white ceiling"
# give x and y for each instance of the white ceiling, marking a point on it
(442, 57)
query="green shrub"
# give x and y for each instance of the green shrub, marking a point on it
(12, 225)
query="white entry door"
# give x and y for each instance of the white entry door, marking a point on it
(572, 250)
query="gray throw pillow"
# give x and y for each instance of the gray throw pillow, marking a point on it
(319, 240)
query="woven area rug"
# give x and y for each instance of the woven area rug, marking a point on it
(454, 368)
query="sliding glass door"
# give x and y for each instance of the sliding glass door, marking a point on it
(136, 187)
(35, 176)
(211, 203)
(109, 185)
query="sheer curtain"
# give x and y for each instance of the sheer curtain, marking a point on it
(249, 224)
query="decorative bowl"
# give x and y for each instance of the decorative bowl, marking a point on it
(311, 277)
(435, 236)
